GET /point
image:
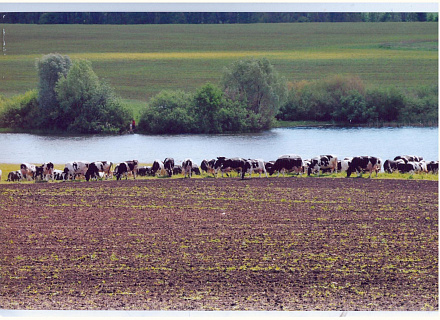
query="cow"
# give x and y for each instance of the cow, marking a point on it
(195, 169)
(345, 164)
(187, 165)
(389, 166)
(408, 167)
(208, 166)
(289, 163)
(15, 176)
(144, 171)
(256, 166)
(58, 175)
(132, 167)
(93, 171)
(323, 162)
(364, 163)
(104, 167)
(28, 171)
(432, 166)
(158, 166)
(38, 173)
(177, 169)
(168, 165)
(232, 164)
(48, 170)
(121, 169)
(407, 158)
(74, 169)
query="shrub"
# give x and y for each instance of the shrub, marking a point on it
(21, 112)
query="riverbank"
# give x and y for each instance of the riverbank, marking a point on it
(221, 244)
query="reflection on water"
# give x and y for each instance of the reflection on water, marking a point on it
(306, 142)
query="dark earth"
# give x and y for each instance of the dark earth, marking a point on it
(220, 244)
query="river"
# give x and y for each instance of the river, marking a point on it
(307, 142)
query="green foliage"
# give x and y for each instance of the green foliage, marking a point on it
(167, 112)
(20, 112)
(50, 68)
(344, 99)
(258, 85)
(86, 104)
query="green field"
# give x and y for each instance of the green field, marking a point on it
(141, 60)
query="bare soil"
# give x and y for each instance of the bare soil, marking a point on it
(220, 244)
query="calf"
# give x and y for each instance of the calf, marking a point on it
(362, 164)
(289, 163)
(323, 162)
(168, 165)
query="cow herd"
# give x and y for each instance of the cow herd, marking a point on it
(224, 166)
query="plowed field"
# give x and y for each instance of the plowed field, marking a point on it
(220, 244)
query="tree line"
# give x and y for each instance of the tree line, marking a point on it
(250, 97)
(209, 17)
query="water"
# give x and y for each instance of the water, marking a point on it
(385, 143)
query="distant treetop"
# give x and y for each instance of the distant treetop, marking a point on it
(209, 17)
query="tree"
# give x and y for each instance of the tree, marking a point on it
(50, 68)
(207, 102)
(86, 104)
(258, 85)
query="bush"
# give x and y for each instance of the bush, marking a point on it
(86, 104)
(21, 112)
(168, 112)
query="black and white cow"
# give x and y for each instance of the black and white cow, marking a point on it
(363, 164)
(74, 169)
(256, 166)
(48, 169)
(208, 166)
(15, 176)
(407, 158)
(28, 171)
(287, 163)
(187, 166)
(132, 167)
(323, 163)
(93, 171)
(144, 171)
(168, 165)
(158, 167)
(432, 166)
(122, 169)
(177, 169)
(231, 164)
(58, 175)
(389, 166)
